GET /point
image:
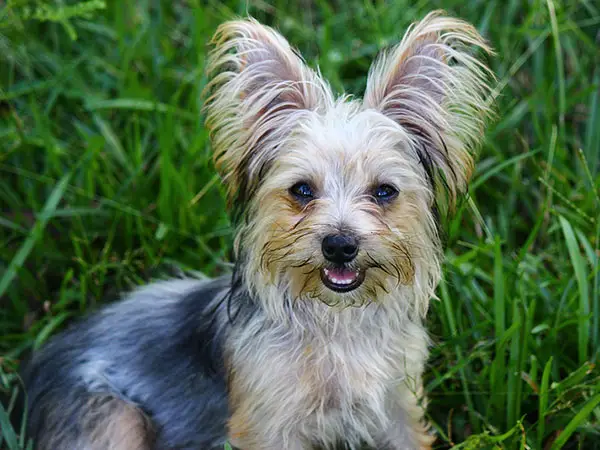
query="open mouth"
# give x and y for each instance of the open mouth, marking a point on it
(341, 279)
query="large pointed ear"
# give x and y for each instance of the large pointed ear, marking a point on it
(258, 89)
(433, 86)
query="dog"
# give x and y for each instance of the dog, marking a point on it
(316, 339)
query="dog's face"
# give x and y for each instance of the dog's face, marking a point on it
(344, 210)
(339, 194)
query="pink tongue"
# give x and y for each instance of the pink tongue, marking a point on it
(342, 274)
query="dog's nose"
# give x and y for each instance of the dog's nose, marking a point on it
(339, 248)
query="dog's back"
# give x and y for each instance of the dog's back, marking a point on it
(143, 373)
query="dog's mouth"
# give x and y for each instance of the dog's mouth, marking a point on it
(341, 279)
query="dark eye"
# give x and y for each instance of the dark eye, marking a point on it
(384, 192)
(302, 191)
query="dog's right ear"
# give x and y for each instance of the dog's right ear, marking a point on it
(258, 89)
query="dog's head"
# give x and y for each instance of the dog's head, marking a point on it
(338, 196)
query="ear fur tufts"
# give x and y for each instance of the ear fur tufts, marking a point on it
(433, 85)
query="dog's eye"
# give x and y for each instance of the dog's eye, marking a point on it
(302, 191)
(384, 192)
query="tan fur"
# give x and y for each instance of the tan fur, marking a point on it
(414, 403)
(107, 423)
(119, 426)
(321, 366)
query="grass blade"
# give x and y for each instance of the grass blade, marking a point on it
(498, 372)
(579, 418)
(35, 234)
(8, 432)
(543, 403)
(578, 261)
(560, 68)
(592, 138)
(445, 297)
(138, 105)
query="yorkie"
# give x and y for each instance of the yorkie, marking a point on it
(317, 339)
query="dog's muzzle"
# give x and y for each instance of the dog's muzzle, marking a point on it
(340, 249)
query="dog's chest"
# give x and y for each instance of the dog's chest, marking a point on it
(340, 376)
(320, 386)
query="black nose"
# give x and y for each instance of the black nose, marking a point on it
(339, 248)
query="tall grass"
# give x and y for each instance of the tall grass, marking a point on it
(106, 182)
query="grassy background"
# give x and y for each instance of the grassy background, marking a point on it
(106, 182)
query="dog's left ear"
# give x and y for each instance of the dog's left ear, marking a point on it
(434, 87)
(259, 87)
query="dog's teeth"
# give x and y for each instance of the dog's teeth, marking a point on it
(342, 276)
(342, 280)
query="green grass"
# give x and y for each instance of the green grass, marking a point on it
(106, 182)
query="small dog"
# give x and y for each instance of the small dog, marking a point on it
(317, 338)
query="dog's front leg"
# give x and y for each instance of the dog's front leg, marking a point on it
(259, 441)
(248, 433)
(404, 438)
(407, 430)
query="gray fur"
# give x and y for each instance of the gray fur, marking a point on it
(151, 350)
